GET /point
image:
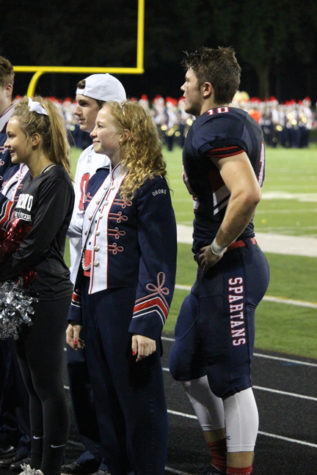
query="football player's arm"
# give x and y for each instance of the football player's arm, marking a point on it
(245, 193)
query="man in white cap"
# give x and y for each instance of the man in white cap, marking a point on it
(91, 94)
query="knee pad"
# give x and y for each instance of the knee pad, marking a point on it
(242, 421)
(208, 408)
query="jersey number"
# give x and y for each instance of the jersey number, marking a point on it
(219, 110)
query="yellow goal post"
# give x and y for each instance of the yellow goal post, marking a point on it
(138, 69)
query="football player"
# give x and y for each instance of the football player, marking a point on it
(224, 161)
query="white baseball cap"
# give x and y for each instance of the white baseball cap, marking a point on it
(103, 87)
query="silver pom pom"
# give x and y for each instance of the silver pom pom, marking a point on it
(16, 309)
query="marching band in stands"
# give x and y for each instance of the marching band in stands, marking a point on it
(284, 124)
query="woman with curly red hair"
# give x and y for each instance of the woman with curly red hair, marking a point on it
(124, 289)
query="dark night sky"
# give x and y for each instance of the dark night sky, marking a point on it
(103, 33)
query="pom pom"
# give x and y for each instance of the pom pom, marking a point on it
(16, 309)
(11, 239)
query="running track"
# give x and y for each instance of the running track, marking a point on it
(286, 392)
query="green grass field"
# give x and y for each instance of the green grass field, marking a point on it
(288, 206)
(289, 201)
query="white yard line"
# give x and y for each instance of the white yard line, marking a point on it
(269, 357)
(284, 195)
(266, 434)
(274, 391)
(268, 298)
(285, 360)
(299, 303)
(275, 243)
(286, 393)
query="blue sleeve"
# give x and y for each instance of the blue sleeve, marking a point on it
(158, 248)
(74, 312)
(220, 132)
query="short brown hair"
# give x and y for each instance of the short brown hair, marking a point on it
(219, 66)
(6, 72)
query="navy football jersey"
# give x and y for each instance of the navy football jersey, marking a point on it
(219, 132)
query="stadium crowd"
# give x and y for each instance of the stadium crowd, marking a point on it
(284, 124)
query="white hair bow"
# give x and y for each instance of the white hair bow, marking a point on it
(35, 106)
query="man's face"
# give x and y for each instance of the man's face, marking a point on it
(192, 93)
(5, 97)
(86, 111)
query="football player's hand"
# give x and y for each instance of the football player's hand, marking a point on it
(207, 259)
(72, 337)
(142, 346)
